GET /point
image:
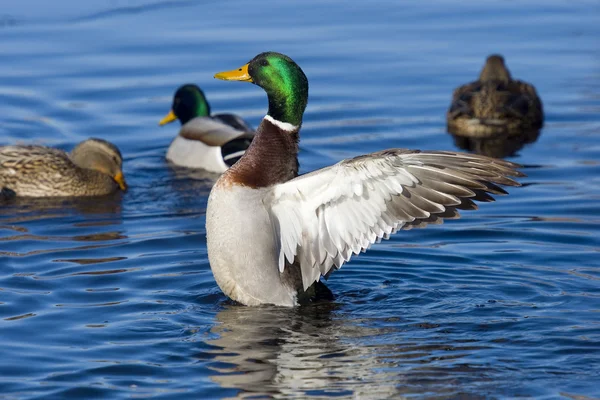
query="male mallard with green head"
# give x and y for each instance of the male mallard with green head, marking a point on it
(211, 142)
(494, 104)
(272, 234)
(93, 168)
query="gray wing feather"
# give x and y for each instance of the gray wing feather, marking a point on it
(324, 217)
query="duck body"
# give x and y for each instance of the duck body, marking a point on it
(238, 217)
(92, 169)
(494, 104)
(210, 142)
(271, 234)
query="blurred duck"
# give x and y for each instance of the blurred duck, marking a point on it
(93, 168)
(494, 104)
(271, 234)
(211, 142)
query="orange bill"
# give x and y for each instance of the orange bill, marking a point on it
(240, 74)
(170, 117)
(120, 179)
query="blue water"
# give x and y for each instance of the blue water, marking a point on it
(115, 298)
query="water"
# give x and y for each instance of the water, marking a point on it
(114, 298)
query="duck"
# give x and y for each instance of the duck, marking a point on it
(210, 142)
(272, 234)
(495, 104)
(92, 168)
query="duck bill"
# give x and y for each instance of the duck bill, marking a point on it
(240, 74)
(120, 179)
(170, 117)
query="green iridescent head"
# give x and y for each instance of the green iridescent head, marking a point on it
(189, 102)
(282, 79)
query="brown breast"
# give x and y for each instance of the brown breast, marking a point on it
(272, 158)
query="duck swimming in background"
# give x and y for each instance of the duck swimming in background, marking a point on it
(271, 234)
(213, 143)
(93, 168)
(494, 104)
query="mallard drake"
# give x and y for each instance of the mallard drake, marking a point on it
(272, 234)
(210, 142)
(494, 104)
(93, 168)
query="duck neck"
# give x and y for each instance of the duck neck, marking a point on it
(495, 72)
(288, 100)
(203, 108)
(285, 110)
(184, 114)
(272, 157)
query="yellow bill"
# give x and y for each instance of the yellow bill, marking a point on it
(170, 117)
(120, 179)
(240, 74)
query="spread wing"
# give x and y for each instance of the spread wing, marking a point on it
(324, 217)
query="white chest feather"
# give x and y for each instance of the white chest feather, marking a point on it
(195, 154)
(242, 247)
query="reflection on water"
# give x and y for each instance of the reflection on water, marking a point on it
(21, 209)
(317, 350)
(279, 351)
(113, 297)
(59, 223)
(498, 146)
(88, 261)
(189, 180)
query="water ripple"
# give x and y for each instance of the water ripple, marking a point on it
(114, 298)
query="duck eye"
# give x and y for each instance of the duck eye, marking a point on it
(264, 63)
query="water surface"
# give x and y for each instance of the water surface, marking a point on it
(114, 298)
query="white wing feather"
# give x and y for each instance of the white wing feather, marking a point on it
(324, 217)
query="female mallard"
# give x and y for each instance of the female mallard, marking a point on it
(494, 104)
(272, 234)
(213, 143)
(93, 168)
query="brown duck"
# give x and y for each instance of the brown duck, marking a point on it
(494, 104)
(93, 168)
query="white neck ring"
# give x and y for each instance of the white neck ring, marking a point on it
(284, 126)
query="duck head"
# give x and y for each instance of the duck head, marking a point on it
(188, 102)
(100, 155)
(282, 79)
(495, 69)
